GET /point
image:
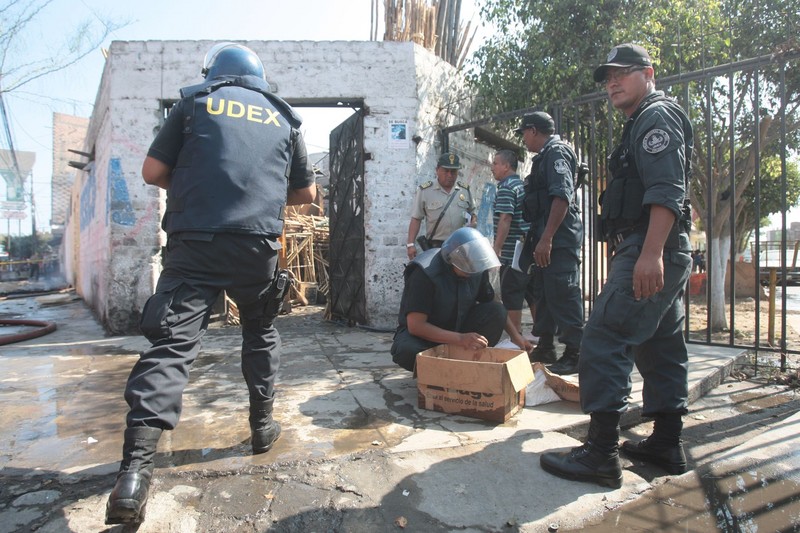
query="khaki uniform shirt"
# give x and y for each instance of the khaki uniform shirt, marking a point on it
(431, 199)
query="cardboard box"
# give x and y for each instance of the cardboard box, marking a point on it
(488, 384)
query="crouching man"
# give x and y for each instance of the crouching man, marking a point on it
(448, 299)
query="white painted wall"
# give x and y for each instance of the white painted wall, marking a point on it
(119, 216)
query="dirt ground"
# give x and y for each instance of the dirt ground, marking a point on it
(744, 330)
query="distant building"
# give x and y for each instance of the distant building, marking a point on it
(15, 169)
(792, 234)
(69, 132)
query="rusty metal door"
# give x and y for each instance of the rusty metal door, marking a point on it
(347, 299)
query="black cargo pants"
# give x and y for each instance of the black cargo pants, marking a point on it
(197, 268)
(622, 331)
(559, 306)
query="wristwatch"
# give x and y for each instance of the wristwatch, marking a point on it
(410, 245)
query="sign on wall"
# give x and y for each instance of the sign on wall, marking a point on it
(398, 134)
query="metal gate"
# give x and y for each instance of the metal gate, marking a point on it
(346, 207)
(729, 184)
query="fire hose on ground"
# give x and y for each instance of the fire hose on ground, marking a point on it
(42, 328)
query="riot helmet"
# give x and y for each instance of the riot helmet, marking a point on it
(231, 59)
(469, 251)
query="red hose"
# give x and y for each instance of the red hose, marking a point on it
(43, 329)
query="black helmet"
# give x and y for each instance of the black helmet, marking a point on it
(469, 251)
(231, 59)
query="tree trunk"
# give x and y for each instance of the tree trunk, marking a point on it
(716, 267)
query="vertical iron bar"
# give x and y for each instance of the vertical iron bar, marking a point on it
(784, 208)
(591, 203)
(732, 207)
(687, 290)
(710, 206)
(757, 178)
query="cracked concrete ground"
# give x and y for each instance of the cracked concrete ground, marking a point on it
(357, 454)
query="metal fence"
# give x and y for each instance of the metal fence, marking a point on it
(745, 117)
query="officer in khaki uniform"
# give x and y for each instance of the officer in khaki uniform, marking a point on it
(432, 199)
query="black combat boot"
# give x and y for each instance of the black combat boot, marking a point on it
(545, 350)
(568, 363)
(596, 461)
(664, 447)
(264, 430)
(127, 501)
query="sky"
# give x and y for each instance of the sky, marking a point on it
(73, 90)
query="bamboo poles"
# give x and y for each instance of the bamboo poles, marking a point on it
(306, 253)
(435, 25)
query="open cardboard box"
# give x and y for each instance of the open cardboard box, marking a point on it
(488, 384)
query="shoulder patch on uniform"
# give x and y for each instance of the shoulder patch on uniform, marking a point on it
(462, 185)
(426, 185)
(655, 141)
(561, 166)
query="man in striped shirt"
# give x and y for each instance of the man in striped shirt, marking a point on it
(510, 228)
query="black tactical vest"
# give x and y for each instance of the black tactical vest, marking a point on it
(537, 202)
(231, 173)
(621, 202)
(452, 293)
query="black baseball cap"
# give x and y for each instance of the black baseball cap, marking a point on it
(623, 55)
(539, 120)
(448, 160)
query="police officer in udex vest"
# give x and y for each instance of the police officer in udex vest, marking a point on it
(555, 235)
(445, 204)
(230, 156)
(638, 316)
(448, 298)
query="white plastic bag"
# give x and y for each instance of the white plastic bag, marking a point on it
(537, 391)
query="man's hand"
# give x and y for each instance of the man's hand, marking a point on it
(541, 254)
(522, 342)
(306, 195)
(411, 237)
(558, 211)
(648, 276)
(648, 273)
(472, 341)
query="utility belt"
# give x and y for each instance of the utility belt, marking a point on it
(673, 239)
(614, 236)
(615, 239)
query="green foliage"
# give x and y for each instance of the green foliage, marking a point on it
(544, 51)
(541, 53)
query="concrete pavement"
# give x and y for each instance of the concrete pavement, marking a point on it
(356, 453)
